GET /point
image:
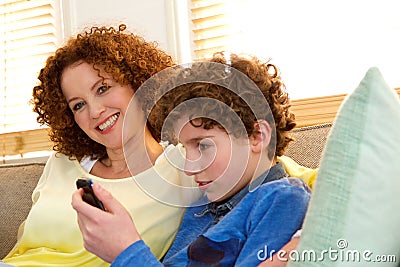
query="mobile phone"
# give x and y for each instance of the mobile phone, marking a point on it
(88, 194)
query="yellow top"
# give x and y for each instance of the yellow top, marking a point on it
(308, 175)
(50, 235)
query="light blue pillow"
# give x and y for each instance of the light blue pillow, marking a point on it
(354, 214)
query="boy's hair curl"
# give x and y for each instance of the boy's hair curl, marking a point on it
(266, 77)
(126, 56)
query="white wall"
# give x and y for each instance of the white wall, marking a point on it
(149, 18)
(321, 48)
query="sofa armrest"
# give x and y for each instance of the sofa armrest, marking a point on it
(17, 182)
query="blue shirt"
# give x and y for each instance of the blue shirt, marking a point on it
(242, 231)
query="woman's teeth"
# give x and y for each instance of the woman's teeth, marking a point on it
(110, 122)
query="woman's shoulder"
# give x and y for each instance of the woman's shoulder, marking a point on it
(59, 158)
(167, 149)
(58, 170)
(59, 161)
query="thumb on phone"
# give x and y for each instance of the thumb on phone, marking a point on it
(111, 204)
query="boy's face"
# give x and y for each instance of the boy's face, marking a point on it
(217, 160)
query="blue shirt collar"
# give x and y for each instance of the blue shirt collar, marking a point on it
(219, 209)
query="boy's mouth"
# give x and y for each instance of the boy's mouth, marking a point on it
(203, 184)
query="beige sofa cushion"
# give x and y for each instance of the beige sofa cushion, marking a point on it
(16, 185)
(309, 144)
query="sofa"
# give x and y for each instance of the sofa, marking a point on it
(17, 181)
(355, 202)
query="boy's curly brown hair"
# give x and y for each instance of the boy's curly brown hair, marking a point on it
(265, 76)
(126, 56)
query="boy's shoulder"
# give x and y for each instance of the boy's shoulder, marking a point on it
(287, 182)
(284, 187)
(284, 200)
(294, 182)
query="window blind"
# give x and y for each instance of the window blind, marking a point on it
(29, 34)
(210, 26)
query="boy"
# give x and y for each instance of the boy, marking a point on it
(250, 209)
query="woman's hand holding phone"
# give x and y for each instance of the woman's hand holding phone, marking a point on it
(105, 234)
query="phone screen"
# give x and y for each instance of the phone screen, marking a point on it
(88, 194)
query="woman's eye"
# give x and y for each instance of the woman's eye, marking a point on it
(102, 89)
(78, 106)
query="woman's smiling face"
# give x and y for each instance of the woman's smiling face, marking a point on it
(216, 160)
(98, 105)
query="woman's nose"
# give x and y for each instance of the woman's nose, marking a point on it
(96, 108)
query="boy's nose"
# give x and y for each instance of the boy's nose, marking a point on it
(194, 162)
(191, 167)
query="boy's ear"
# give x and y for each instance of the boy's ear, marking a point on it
(261, 139)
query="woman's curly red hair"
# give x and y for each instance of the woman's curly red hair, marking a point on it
(126, 56)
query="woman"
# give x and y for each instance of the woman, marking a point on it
(83, 96)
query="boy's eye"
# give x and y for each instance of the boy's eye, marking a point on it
(78, 106)
(203, 145)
